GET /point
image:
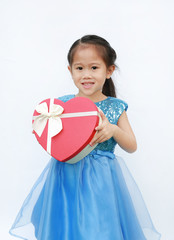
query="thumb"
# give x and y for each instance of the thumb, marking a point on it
(102, 115)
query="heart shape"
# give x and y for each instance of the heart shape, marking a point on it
(77, 123)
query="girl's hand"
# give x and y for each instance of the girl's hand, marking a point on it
(104, 131)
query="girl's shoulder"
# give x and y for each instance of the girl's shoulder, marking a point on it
(65, 98)
(112, 108)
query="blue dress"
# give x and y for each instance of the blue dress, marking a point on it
(95, 198)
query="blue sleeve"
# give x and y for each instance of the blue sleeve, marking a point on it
(121, 107)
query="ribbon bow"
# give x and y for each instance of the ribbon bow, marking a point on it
(40, 121)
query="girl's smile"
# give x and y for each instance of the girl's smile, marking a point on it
(89, 72)
(87, 85)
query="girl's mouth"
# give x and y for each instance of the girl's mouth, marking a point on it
(87, 84)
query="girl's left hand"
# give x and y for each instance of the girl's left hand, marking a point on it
(104, 131)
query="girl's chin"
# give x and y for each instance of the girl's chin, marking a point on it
(87, 91)
(89, 94)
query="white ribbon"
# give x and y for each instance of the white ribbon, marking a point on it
(40, 121)
(54, 119)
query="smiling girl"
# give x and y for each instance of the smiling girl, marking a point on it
(95, 198)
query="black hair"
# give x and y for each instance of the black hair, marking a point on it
(107, 53)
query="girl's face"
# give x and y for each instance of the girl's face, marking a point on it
(89, 72)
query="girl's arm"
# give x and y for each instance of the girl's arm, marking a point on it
(122, 133)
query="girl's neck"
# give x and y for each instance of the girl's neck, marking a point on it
(94, 98)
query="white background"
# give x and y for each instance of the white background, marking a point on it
(35, 37)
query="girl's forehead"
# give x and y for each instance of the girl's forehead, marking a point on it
(83, 47)
(87, 51)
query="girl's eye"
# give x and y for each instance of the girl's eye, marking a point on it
(94, 67)
(79, 68)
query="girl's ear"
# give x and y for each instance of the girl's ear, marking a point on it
(110, 70)
(69, 68)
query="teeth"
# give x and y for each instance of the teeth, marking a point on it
(88, 83)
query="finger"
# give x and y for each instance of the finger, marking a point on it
(100, 127)
(103, 121)
(95, 139)
(93, 142)
(102, 115)
(99, 140)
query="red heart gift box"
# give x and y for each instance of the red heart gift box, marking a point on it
(65, 129)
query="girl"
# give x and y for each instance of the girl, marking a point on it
(95, 198)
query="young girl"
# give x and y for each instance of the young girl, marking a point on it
(95, 198)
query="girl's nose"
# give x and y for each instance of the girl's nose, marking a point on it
(86, 74)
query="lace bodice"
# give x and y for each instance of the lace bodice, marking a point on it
(112, 108)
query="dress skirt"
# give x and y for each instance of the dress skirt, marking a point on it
(94, 199)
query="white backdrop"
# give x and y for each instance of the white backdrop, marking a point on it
(35, 37)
